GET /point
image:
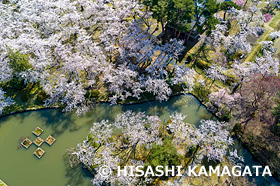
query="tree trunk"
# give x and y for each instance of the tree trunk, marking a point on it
(245, 3)
(225, 15)
(238, 84)
(162, 28)
(174, 32)
(179, 34)
(193, 27)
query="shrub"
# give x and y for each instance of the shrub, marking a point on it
(42, 96)
(236, 55)
(189, 59)
(25, 96)
(276, 110)
(201, 92)
(164, 155)
(230, 79)
(192, 148)
(226, 116)
(14, 83)
(177, 88)
(92, 94)
(18, 62)
(237, 128)
(276, 129)
(202, 64)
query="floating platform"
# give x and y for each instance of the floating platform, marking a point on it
(50, 140)
(38, 131)
(39, 152)
(38, 141)
(2, 183)
(26, 143)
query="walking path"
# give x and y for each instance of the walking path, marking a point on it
(2, 183)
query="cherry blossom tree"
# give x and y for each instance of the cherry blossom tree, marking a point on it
(184, 76)
(213, 137)
(239, 2)
(143, 64)
(257, 95)
(102, 147)
(267, 65)
(227, 5)
(235, 68)
(274, 34)
(223, 101)
(80, 45)
(250, 23)
(140, 134)
(6, 73)
(267, 18)
(234, 157)
(276, 3)
(215, 72)
(272, 5)
(4, 101)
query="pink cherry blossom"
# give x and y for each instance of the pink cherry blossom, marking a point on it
(239, 2)
(267, 18)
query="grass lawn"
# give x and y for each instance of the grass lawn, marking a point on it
(275, 21)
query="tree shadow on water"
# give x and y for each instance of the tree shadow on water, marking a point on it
(58, 121)
(77, 175)
(103, 111)
(18, 116)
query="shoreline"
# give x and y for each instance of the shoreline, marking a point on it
(27, 110)
(105, 102)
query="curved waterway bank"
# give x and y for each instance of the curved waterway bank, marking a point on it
(19, 167)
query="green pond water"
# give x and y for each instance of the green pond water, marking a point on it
(19, 167)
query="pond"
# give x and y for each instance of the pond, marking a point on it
(19, 167)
